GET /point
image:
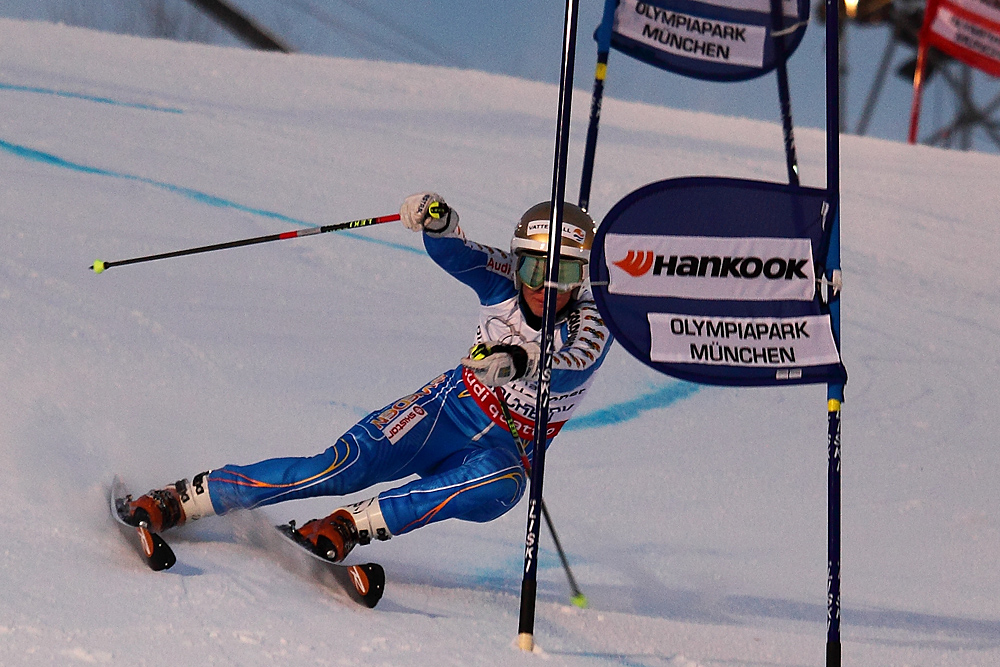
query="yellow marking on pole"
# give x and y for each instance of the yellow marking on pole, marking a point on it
(833, 405)
(437, 209)
(601, 72)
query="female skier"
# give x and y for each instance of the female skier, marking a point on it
(451, 433)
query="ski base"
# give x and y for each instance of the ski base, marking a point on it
(365, 583)
(155, 552)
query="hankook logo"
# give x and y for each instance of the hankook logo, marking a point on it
(711, 267)
(639, 262)
(636, 262)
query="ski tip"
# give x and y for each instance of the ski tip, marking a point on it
(364, 583)
(154, 550)
(369, 582)
(159, 555)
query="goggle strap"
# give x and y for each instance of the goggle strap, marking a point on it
(562, 287)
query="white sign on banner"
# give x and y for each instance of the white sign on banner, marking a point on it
(966, 34)
(690, 36)
(988, 9)
(753, 342)
(708, 267)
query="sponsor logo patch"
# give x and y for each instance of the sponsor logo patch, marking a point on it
(636, 262)
(402, 424)
(718, 268)
(569, 231)
(389, 414)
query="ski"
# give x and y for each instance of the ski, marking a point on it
(157, 553)
(364, 583)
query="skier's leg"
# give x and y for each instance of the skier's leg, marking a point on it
(387, 445)
(474, 485)
(343, 468)
(171, 505)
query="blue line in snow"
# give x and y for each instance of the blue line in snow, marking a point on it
(618, 413)
(89, 98)
(201, 197)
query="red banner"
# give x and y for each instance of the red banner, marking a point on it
(967, 30)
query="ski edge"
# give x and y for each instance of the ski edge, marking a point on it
(154, 550)
(364, 582)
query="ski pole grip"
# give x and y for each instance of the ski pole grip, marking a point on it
(438, 209)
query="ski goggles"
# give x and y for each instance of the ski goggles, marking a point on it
(531, 272)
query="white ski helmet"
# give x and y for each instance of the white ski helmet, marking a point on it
(532, 232)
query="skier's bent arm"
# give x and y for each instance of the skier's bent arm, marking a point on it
(486, 270)
(496, 363)
(586, 347)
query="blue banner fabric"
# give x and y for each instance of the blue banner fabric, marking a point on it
(714, 280)
(719, 40)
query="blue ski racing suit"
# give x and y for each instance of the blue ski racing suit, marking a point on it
(450, 434)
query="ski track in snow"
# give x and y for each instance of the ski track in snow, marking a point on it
(88, 98)
(195, 195)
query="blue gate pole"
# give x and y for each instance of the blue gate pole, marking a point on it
(590, 148)
(784, 96)
(835, 392)
(529, 582)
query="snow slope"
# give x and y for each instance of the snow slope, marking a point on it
(695, 517)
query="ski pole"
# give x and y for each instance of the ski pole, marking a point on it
(100, 266)
(577, 596)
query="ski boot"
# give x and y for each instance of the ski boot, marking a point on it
(171, 506)
(333, 537)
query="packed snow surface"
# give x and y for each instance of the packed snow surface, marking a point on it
(694, 517)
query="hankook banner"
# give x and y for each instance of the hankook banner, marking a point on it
(714, 280)
(723, 40)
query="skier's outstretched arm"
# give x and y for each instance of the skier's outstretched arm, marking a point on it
(486, 270)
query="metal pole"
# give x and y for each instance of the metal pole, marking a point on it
(919, 74)
(590, 149)
(576, 595)
(529, 583)
(876, 90)
(835, 392)
(243, 27)
(100, 266)
(918, 89)
(600, 72)
(784, 96)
